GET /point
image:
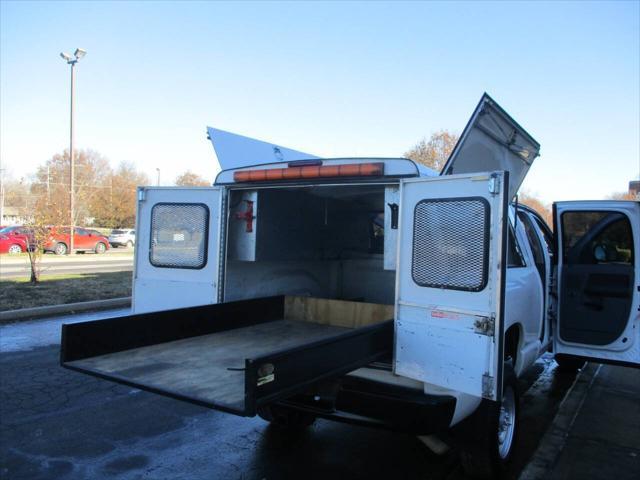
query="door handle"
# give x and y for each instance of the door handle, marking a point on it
(394, 215)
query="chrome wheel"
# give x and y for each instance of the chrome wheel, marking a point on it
(101, 248)
(13, 249)
(60, 249)
(506, 423)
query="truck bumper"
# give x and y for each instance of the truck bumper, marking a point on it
(367, 402)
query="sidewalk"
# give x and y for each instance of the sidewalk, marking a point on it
(596, 434)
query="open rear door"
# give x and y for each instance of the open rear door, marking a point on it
(177, 249)
(450, 282)
(598, 272)
(492, 141)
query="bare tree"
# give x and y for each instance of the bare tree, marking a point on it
(622, 196)
(434, 152)
(190, 179)
(51, 186)
(114, 205)
(37, 236)
(533, 201)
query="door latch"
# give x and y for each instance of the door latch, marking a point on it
(494, 184)
(394, 215)
(485, 326)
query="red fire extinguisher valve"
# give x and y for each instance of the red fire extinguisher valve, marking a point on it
(247, 216)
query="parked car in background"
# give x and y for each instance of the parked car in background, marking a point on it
(12, 244)
(122, 238)
(83, 241)
(95, 232)
(20, 232)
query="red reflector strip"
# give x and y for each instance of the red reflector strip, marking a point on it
(310, 171)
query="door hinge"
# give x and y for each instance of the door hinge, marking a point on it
(494, 184)
(487, 386)
(485, 326)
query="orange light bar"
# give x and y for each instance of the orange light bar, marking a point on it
(310, 171)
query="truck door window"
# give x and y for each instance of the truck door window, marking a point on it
(536, 244)
(596, 238)
(179, 234)
(514, 255)
(450, 243)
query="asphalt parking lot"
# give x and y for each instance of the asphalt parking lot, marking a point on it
(59, 424)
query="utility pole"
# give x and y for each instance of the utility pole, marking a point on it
(78, 54)
(1, 195)
(48, 186)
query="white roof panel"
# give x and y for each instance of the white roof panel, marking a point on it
(237, 151)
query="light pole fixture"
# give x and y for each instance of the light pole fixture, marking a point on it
(158, 179)
(72, 60)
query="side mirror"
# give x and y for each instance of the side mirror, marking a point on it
(600, 253)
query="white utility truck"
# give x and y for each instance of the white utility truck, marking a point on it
(371, 291)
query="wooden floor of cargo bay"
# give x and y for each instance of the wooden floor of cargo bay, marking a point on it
(208, 367)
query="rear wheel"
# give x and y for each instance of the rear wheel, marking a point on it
(284, 417)
(13, 249)
(60, 248)
(568, 363)
(100, 247)
(489, 436)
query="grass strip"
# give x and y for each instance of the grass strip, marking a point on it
(16, 294)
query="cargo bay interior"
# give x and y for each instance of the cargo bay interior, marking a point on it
(323, 255)
(336, 242)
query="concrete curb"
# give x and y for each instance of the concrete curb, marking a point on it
(66, 309)
(553, 441)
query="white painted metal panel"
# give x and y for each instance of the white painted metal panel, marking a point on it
(391, 202)
(491, 141)
(450, 282)
(625, 348)
(161, 285)
(235, 151)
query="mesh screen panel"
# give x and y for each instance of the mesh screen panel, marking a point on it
(179, 235)
(450, 244)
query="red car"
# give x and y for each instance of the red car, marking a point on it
(83, 241)
(12, 244)
(18, 231)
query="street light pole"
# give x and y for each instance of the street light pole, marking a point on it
(79, 53)
(158, 178)
(1, 196)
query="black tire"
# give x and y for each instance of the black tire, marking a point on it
(100, 248)
(486, 448)
(568, 363)
(286, 418)
(60, 248)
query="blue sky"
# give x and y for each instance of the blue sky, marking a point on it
(333, 79)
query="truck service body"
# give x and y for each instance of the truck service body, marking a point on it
(370, 291)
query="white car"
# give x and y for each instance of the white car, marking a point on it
(122, 238)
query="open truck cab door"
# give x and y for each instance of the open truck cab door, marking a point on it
(449, 325)
(177, 254)
(598, 280)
